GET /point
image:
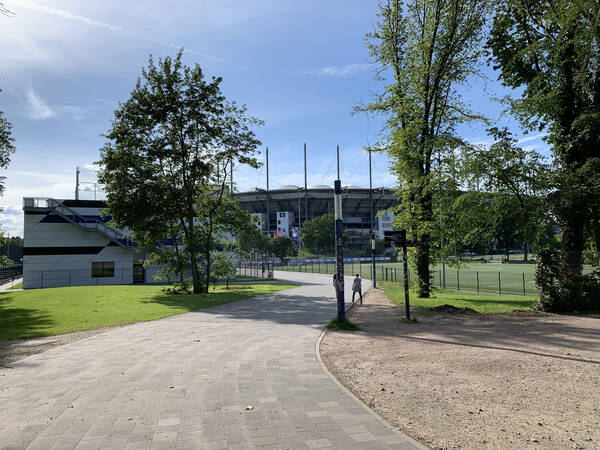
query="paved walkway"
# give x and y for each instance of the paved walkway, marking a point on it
(10, 284)
(238, 376)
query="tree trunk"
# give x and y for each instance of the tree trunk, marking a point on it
(423, 268)
(190, 235)
(207, 250)
(423, 274)
(180, 264)
(525, 253)
(572, 246)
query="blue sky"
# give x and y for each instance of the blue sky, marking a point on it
(299, 66)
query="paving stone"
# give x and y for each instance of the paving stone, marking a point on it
(150, 385)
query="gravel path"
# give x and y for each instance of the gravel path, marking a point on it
(518, 380)
(241, 375)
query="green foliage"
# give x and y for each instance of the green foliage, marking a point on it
(5, 261)
(7, 146)
(561, 291)
(515, 182)
(172, 146)
(283, 247)
(252, 240)
(551, 52)
(47, 312)
(319, 234)
(426, 49)
(12, 247)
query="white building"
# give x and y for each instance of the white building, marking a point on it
(67, 243)
(285, 222)
(260, 220)
(384, 222)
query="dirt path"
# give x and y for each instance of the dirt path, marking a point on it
(520, 380)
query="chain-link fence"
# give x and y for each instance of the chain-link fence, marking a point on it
(10, 273)
(508, 280)
(37, 279)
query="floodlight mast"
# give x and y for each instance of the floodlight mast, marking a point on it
(268, 209)
(339, 250)
(374, 271)
(77, 183)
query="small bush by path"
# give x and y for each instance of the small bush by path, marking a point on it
(336, 324)
(483, 303)
(48, 312)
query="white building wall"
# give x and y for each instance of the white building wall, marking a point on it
(385, 219)
(261, 221)
(59, 253)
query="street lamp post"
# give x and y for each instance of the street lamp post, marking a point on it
(339, 253)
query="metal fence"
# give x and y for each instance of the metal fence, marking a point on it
(508, 282)
(37, 279)
(10, 273)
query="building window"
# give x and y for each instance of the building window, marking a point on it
(103, 269)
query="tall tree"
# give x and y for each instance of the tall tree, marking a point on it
(514, 179)
(319, 234)
(171, 146)
(426, 48)
(283, 247)
(7, 146)
(551, 51)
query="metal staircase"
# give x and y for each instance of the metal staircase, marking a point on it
(89, 223)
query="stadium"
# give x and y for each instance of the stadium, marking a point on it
(282, 210)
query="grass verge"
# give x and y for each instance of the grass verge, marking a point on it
(483, 303)
(17, 286)
(48, 312)
(347, 325)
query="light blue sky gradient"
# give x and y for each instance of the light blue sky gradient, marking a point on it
(299, 66)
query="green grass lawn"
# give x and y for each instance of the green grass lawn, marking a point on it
(17, 286)
(483, 303)
(48, 312)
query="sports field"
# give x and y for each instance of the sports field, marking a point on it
(482, 277)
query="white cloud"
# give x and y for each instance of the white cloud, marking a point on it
(341, 71)
(64, 14)
(37, 109)
(11, 223)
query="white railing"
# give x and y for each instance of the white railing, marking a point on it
(36, 202)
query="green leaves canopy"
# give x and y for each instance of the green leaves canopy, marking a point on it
(171, 148)
(425, 49)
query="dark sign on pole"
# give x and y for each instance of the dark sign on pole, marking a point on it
(405, 267)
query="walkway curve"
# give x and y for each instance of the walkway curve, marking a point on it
(237, 376)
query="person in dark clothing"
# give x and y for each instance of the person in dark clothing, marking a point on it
(357, 287)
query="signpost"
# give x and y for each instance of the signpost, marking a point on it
(398, 239)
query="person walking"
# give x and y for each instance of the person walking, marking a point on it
(356, 287)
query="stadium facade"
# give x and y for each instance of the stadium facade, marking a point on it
(281, 211)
